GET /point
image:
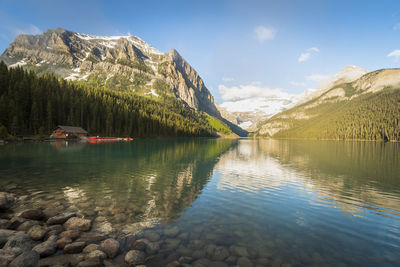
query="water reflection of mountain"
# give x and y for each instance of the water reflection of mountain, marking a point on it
(352, 175)
(356, 175)
(118, 184)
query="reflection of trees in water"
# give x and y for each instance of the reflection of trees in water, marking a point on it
(356, 175)
(128, 182)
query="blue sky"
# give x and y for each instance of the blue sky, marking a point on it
(271, 45)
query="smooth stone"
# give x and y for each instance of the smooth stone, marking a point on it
(231, 260)
(218, 264)
(19, 243)
(198, 254)
(204, 262)
(152, 236)
(195, 244)
(244, 262)
(33, 214)
(80, 224)
(53, 230)
(60, 218)
(173, 264)
(4, 223)
(6, 256)
(73, 234)
(63, 241)
(50, 212)
(91, 237)
(26, 259)
(134, 257)
(5, 235)
(220, 254)
(172, 243)
(90, 263)
(184, 251)
(185, 259)
(183, 236)
(91, 247)
(75, 247)
(238, 251)
(6, 200)
(210, 250)
(171, 231)
(61, 260)
(37, 232)
(96, 254)
(25, 226)
(15, 222)
(110, 246)
(47, 248)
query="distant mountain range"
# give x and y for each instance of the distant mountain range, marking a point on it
(355, 104)
(124, 63)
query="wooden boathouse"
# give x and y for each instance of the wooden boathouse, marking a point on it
(68, 132)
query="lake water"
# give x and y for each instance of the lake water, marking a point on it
(276, 203)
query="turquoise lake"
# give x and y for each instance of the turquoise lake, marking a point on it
(281, 203)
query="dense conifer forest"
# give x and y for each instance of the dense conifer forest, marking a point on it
(373, 116)
(32, 105)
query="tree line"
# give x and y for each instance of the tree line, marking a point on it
(32, 105)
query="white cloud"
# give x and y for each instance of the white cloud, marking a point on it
(227, 79)
(263, 33)
(255, 97)
(302, 84)
(306, 55)
(31, 29)
(395, 54)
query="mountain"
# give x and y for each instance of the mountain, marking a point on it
(354, 105)
(124, 63)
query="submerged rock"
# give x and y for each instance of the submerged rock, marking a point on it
(47, 248)
(60, 218)
(6, 200)
(244, 262)
(19, 243)
(6, 256)
(80, 224)
(220, 254)
(36, 232)
(34, 214)
(63, 241)
(134, 257)
(96, 254)
(90, 248)
(5, 235)
(171, 231)
(26, 259)
(73, 234)
(238, 251)
(61, 260)
(110, 246)
(75, 247)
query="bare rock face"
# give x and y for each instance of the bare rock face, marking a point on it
(79, 224)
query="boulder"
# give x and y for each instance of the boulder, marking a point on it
(5, 235)
(37, 232)
(96, 254)
(75, 223)
(61, 260)
(110, 246)
(33, 214)
(20, 242)
(60, 218)
(90, 248)
(75, 247)
(73, 234)
(244, 262)
(6, 200)
(220, 254)
(26, 259)
(6, 256)
(134, 257)
(63, 241)
(47, 248)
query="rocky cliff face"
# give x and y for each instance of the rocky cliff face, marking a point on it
(115, 62)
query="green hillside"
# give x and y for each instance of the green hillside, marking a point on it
(32, 104)
(370, 116)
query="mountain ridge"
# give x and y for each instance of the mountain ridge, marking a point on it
(114, 62)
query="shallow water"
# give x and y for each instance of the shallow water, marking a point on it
(285, 203)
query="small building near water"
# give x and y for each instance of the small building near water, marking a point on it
(67, 132)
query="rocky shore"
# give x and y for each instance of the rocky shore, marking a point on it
(45, 236)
